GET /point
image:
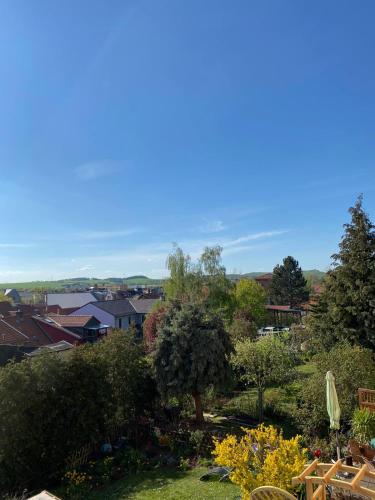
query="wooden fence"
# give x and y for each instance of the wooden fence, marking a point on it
(366, 399)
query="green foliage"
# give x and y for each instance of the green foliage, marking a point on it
(192, 353)
(363, 425)
(204, 282)
(288, 285)
(185, 280)
(346, 309)
(5, 298)
(216, 285)
(251, 297)
(352, 367)
(243, 327)
(51, 406)
(263, 363)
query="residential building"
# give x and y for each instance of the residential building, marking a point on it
(88, 327)
(142, 307)
(119, 313)
(65, 303)
(264, 280)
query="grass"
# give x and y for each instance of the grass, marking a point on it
(168, 484)
(280, 402)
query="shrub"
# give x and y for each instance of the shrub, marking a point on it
(352, 367)
(262, 456)
(363, 425)
(52, 406)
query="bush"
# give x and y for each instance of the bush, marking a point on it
(262, 456)
(51, 406)
(352, 367)
(363, 425)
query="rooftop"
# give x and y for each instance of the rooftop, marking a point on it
(70, 300)
(71, 321)
(120, 307)
(143, 306)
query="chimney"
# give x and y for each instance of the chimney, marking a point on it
(19, 316)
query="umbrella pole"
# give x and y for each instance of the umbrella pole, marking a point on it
(338, 446)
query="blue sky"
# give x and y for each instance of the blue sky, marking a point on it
(128, 125)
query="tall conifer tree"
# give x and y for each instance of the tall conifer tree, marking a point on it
(288, 286)
(346, 310)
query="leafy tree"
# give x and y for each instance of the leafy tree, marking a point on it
(346, 309)
(184, 281)
(203, 282)
(243, 326)
(250, 296)
(192, 353)
(216, 285)
(288, 285)
(152, 323)
(352, 367)
(263, 363)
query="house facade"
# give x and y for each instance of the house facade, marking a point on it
(119, 313)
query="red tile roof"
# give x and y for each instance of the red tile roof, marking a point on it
(278, 308)
(32, 331)
(72, 321)
(264, 277)
(55, 332)
(21, 332)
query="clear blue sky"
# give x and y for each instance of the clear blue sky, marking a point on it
(128, 125)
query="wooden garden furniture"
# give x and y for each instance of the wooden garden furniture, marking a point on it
(270, 493)
(366, 399)
(318, 476)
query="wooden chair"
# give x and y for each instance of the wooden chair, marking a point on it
(270, 493)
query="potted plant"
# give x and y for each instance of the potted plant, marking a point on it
(363, 430)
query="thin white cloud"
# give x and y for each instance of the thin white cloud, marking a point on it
(93, 170)
(148, 259)
(252, 237)
(214, 226)
(86, 268)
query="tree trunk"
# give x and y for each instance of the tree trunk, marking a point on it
(260, 404)
(198, 408)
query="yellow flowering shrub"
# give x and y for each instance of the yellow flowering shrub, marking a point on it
(261, 457)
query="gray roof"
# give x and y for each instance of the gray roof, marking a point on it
(143, 306)
(63, 345)
(121, 307)
(68, 300)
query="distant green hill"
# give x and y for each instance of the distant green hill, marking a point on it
(66, 284)
(73, 283)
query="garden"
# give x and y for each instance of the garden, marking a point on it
(203, 407)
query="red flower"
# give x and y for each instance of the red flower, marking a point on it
(317, 453)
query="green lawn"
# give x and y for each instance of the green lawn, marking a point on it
(168, 484)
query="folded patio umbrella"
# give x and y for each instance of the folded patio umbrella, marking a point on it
(333, 408)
